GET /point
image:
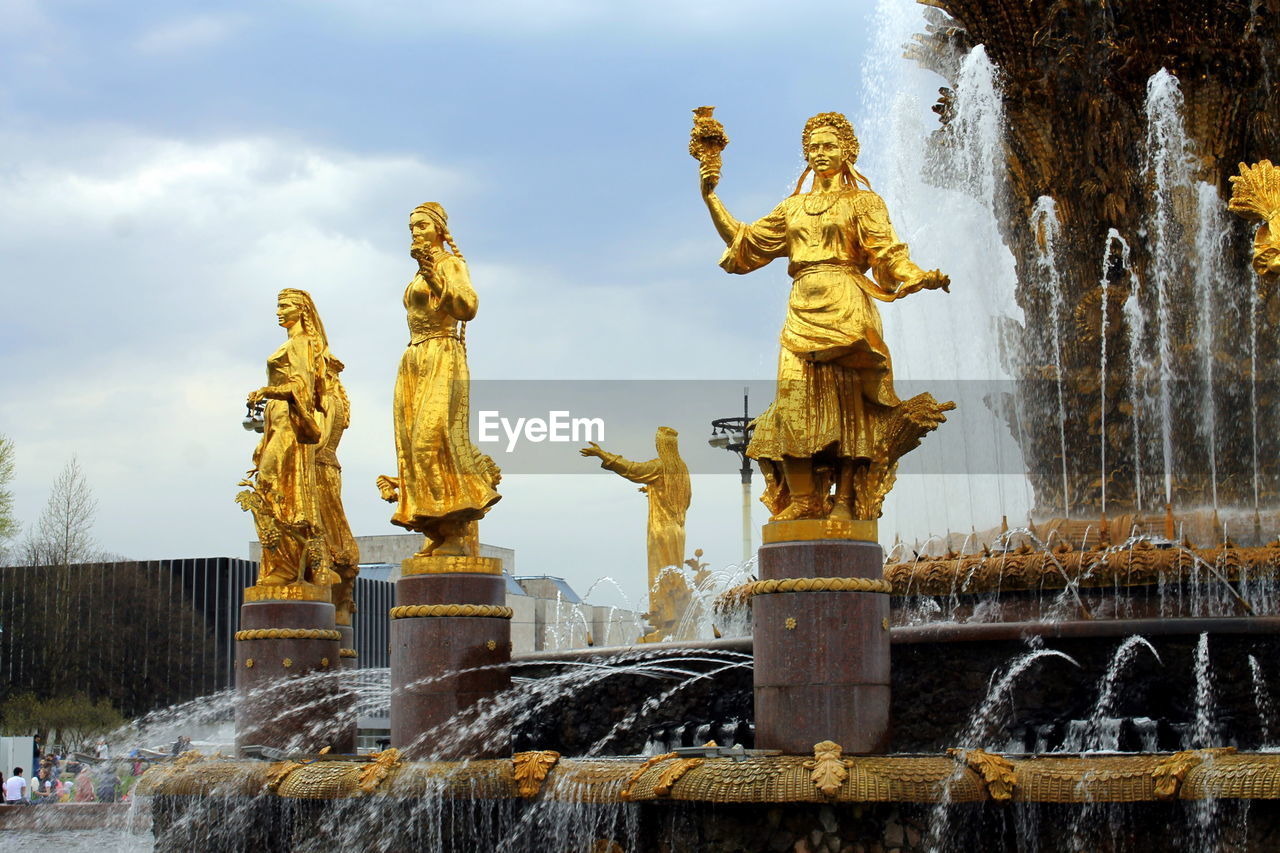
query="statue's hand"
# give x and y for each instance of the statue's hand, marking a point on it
(928, 280)
(426, 262)
(256, 397)
(389, 488)
(710, 175)
(593, 450)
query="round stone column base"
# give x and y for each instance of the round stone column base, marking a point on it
(821, 657)
(289, 694)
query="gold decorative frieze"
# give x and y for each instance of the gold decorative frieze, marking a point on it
(435, 565)
(286, 592)
(814, 529)
(964, 776)
(1028, 569)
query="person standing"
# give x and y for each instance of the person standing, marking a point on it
(15, 788)
(101, 750)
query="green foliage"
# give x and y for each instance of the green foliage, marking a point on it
(72, 720)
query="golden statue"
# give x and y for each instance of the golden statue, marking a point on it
(282, 492)
(1255, 195)
(344, 553)
(836, 421)
(443, 483)
(665, 480)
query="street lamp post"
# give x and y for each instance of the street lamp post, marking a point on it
(734, 434)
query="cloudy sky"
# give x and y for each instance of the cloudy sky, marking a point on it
(166, 168)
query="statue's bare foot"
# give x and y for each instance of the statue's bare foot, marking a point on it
(274, 580)
(841, 512)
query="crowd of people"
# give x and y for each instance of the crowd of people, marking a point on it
(57, 779)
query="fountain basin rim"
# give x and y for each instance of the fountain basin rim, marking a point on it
(952, 632)
(970, 775)
(949, 632)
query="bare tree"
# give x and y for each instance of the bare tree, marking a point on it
(64, 534)
(8, 521)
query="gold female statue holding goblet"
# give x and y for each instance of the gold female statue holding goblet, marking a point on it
(443, 484)
(836, 421)
(282, 492)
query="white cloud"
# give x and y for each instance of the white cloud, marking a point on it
(187, 34)
(142, 275)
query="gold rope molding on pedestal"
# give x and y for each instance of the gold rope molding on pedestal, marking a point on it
(809, 585)
(348, 653)
(288, 634)
(413, 611)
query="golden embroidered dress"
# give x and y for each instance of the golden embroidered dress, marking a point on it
(285, 457)
(443, 477)
(834, 370)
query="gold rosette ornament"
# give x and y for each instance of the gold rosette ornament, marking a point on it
(707, 139)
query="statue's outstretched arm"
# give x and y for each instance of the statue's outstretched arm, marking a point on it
(891, 262)
(726, 225)
(636, 472)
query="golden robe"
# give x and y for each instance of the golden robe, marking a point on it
(834, 370)
(342, 547)
(665, 482)
(285, 457)
(443, 477)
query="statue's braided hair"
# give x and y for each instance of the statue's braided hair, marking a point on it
(436, 211)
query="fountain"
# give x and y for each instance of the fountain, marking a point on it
(1091, 680)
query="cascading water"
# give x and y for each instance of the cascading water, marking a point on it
(1139, 370)
(1045, 226)
(1262, 700)
(1095, 734)
(946, 191)
(1204, 730)
(1210, 279)
(1169, 164)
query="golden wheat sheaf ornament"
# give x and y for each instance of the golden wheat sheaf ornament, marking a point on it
(1255, 195)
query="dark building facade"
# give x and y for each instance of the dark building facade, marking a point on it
(143, 635)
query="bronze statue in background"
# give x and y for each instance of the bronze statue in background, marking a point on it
(344, 553)
(665, 480)
(282, 493)
(1255, 195)
(836, 422)
(443, 484)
